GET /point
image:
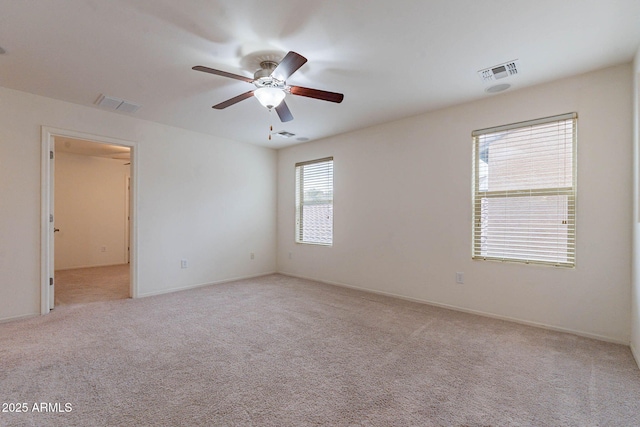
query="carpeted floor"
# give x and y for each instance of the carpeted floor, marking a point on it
(280, 351)
(91, 284)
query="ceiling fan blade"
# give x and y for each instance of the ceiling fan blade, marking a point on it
(283, 112)
(289, 65)
(317, 94)
(222, 73)
(234, 100)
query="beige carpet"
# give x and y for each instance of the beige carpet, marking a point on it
(91, 284)
(279, 351)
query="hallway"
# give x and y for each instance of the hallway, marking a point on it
(92, 284)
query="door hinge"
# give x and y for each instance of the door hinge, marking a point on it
(50, 217)
(51, 155)
(50, 281)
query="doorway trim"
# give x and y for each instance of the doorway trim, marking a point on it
(46, 194)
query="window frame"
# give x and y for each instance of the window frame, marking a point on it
(570, 192)
(299, 201)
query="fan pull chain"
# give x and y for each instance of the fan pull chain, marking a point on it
(270, 125)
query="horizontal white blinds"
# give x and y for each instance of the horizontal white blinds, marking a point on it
(524, 192)
(314, 202)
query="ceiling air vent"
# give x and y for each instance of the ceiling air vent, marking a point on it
(285, 134)
(117, 104)
(501, 71)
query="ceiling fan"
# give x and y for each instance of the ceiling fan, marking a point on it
(271, 85)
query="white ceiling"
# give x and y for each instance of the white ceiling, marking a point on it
(391, 59)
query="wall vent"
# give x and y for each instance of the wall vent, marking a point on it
(500, 71)
(116, 104)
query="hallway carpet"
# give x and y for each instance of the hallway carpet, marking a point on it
(91, 284)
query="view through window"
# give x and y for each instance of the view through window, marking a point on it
(524, 192)
(314, 202)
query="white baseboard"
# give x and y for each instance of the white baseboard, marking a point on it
(201, 285)
(598, 337)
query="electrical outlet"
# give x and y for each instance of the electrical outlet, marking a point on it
(183, 263)
(459, 277)
(252, 255)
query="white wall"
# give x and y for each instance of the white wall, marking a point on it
(402, 210)
(635, 291)
(200, 198)
(402, 207)
(90, 211)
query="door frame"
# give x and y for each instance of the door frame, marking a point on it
(47, 193)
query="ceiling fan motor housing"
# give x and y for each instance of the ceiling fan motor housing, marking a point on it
(262, 77)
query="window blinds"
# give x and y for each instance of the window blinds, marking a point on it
(524, 198)
(314, 202)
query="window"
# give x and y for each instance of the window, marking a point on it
(314, 202)
(524, 197)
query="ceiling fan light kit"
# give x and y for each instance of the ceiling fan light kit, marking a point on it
(269, 96)
(271, 85)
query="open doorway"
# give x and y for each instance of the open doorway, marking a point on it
(88, 247)
(91, 221)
